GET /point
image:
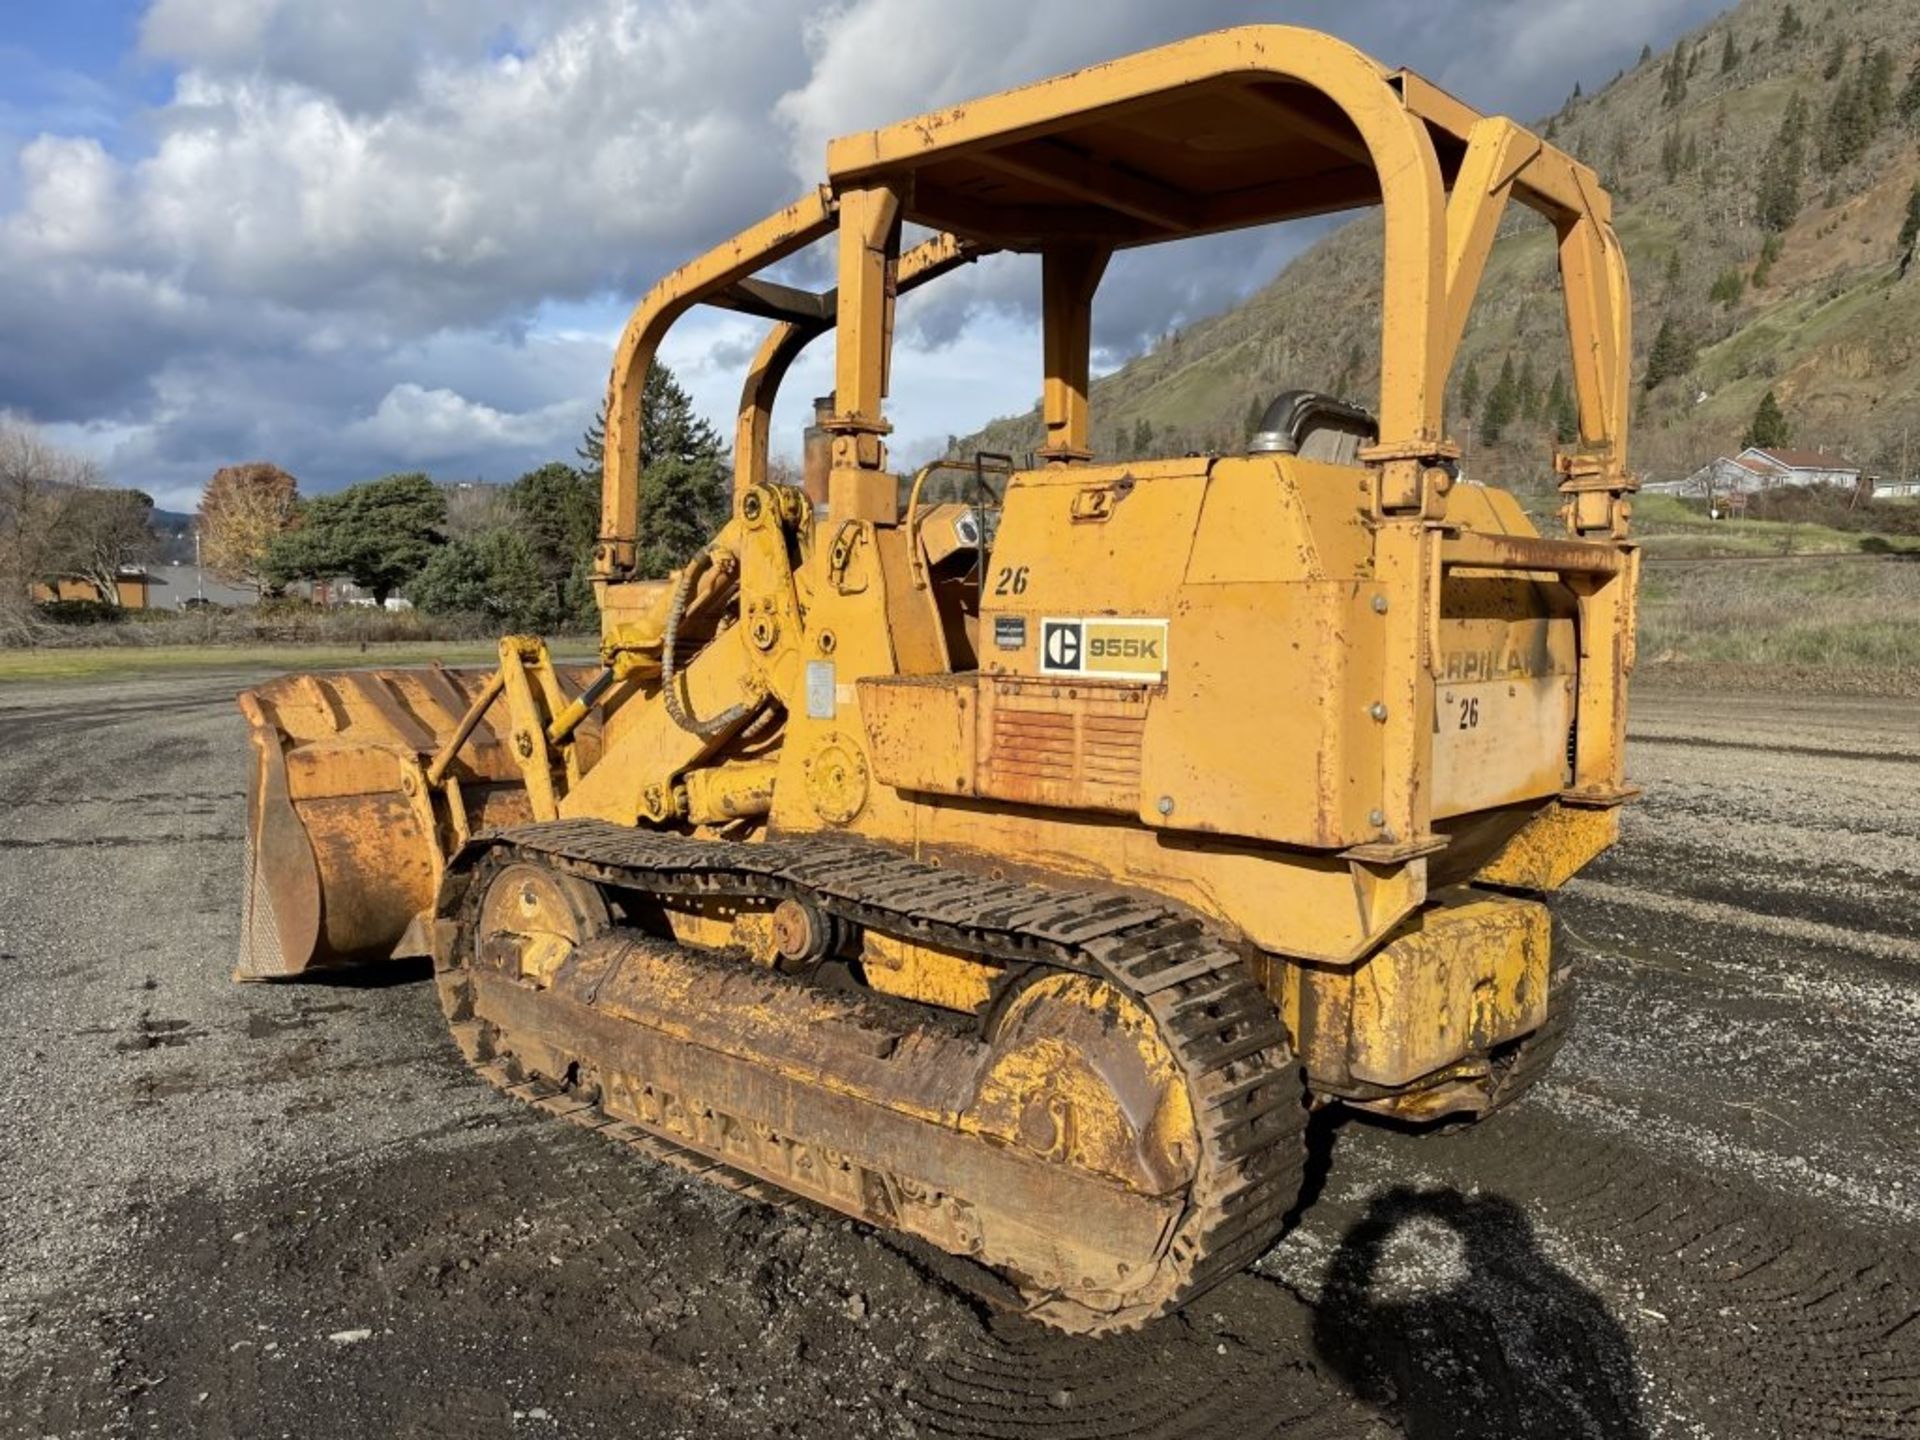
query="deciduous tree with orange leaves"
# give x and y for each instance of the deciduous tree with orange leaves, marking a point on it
(242, 510)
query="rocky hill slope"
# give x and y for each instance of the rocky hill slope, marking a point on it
(1764, 171)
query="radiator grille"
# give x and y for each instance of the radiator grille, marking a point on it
(1066, 755)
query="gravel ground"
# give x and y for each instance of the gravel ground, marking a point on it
(288, 1210)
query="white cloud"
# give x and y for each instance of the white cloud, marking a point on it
(876, 61)
(423, 426)
(373, 233)
(207, 31)
(614, 147)
(366, 53)
(69, 196)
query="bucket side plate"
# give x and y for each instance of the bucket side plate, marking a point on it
(341, 860)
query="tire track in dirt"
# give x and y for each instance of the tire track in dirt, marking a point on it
(1629, 1253)
(1740, 1283)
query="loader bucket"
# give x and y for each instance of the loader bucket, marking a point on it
(344, 848)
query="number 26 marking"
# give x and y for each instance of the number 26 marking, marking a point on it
(1012, 580)
(1470, 712)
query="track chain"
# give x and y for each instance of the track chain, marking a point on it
(1223, 1032)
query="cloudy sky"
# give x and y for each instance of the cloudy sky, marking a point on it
(356, 236)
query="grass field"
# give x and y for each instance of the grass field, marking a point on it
(1670, 529)
(1764, 603)
(1832, 622)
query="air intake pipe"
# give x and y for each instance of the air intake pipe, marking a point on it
(1315, 427)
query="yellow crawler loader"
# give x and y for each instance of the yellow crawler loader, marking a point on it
(1014, 856)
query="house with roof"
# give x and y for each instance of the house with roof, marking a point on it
(133, 588)
(1755, 469)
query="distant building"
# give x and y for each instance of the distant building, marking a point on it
(1754, 469)
(1802, 467)
(338, 590)
(133, 589)
(194, 587)
(1896, 489)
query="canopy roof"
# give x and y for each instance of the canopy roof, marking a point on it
(1241, 127)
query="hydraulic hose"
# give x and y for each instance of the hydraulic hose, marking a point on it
(669, 691)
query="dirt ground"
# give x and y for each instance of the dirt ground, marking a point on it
(288, 1211)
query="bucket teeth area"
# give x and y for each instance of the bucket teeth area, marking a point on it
(344, 852)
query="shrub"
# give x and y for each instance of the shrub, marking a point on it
(80, 612)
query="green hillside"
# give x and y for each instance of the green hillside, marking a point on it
(1766, 274)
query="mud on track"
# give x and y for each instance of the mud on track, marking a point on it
(289, 1210)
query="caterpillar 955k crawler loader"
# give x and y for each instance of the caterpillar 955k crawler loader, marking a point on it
(1013, 857)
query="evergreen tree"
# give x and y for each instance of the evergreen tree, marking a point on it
(1646, 53)
(1526, 393)
(1908, 104)
(556, 512)
(1143, 438)
(592, 450)
(1671, 355)
(1673, 154)
(1728, 287)
(668, 426)
(1563, 411)
(1780, 172)
(1769, 429)
(1673, 271)
(1876, 87)
(1674, 89)
(685, 490)
(1502, 401)
(1791, 25)
(1848, 128)
(1836, 58)
(683, 502)
(380, 535)
(1470, 390)
(1769, 252)
(495, 574)
(1910, 229)
(1729, 54)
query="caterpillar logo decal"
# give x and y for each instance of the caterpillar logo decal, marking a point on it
(1104, 649)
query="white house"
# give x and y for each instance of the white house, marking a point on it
(1755, 469)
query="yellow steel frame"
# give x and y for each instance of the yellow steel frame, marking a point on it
(771, 241)
(783, 343)
(1436, 250)
(1438, 236)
